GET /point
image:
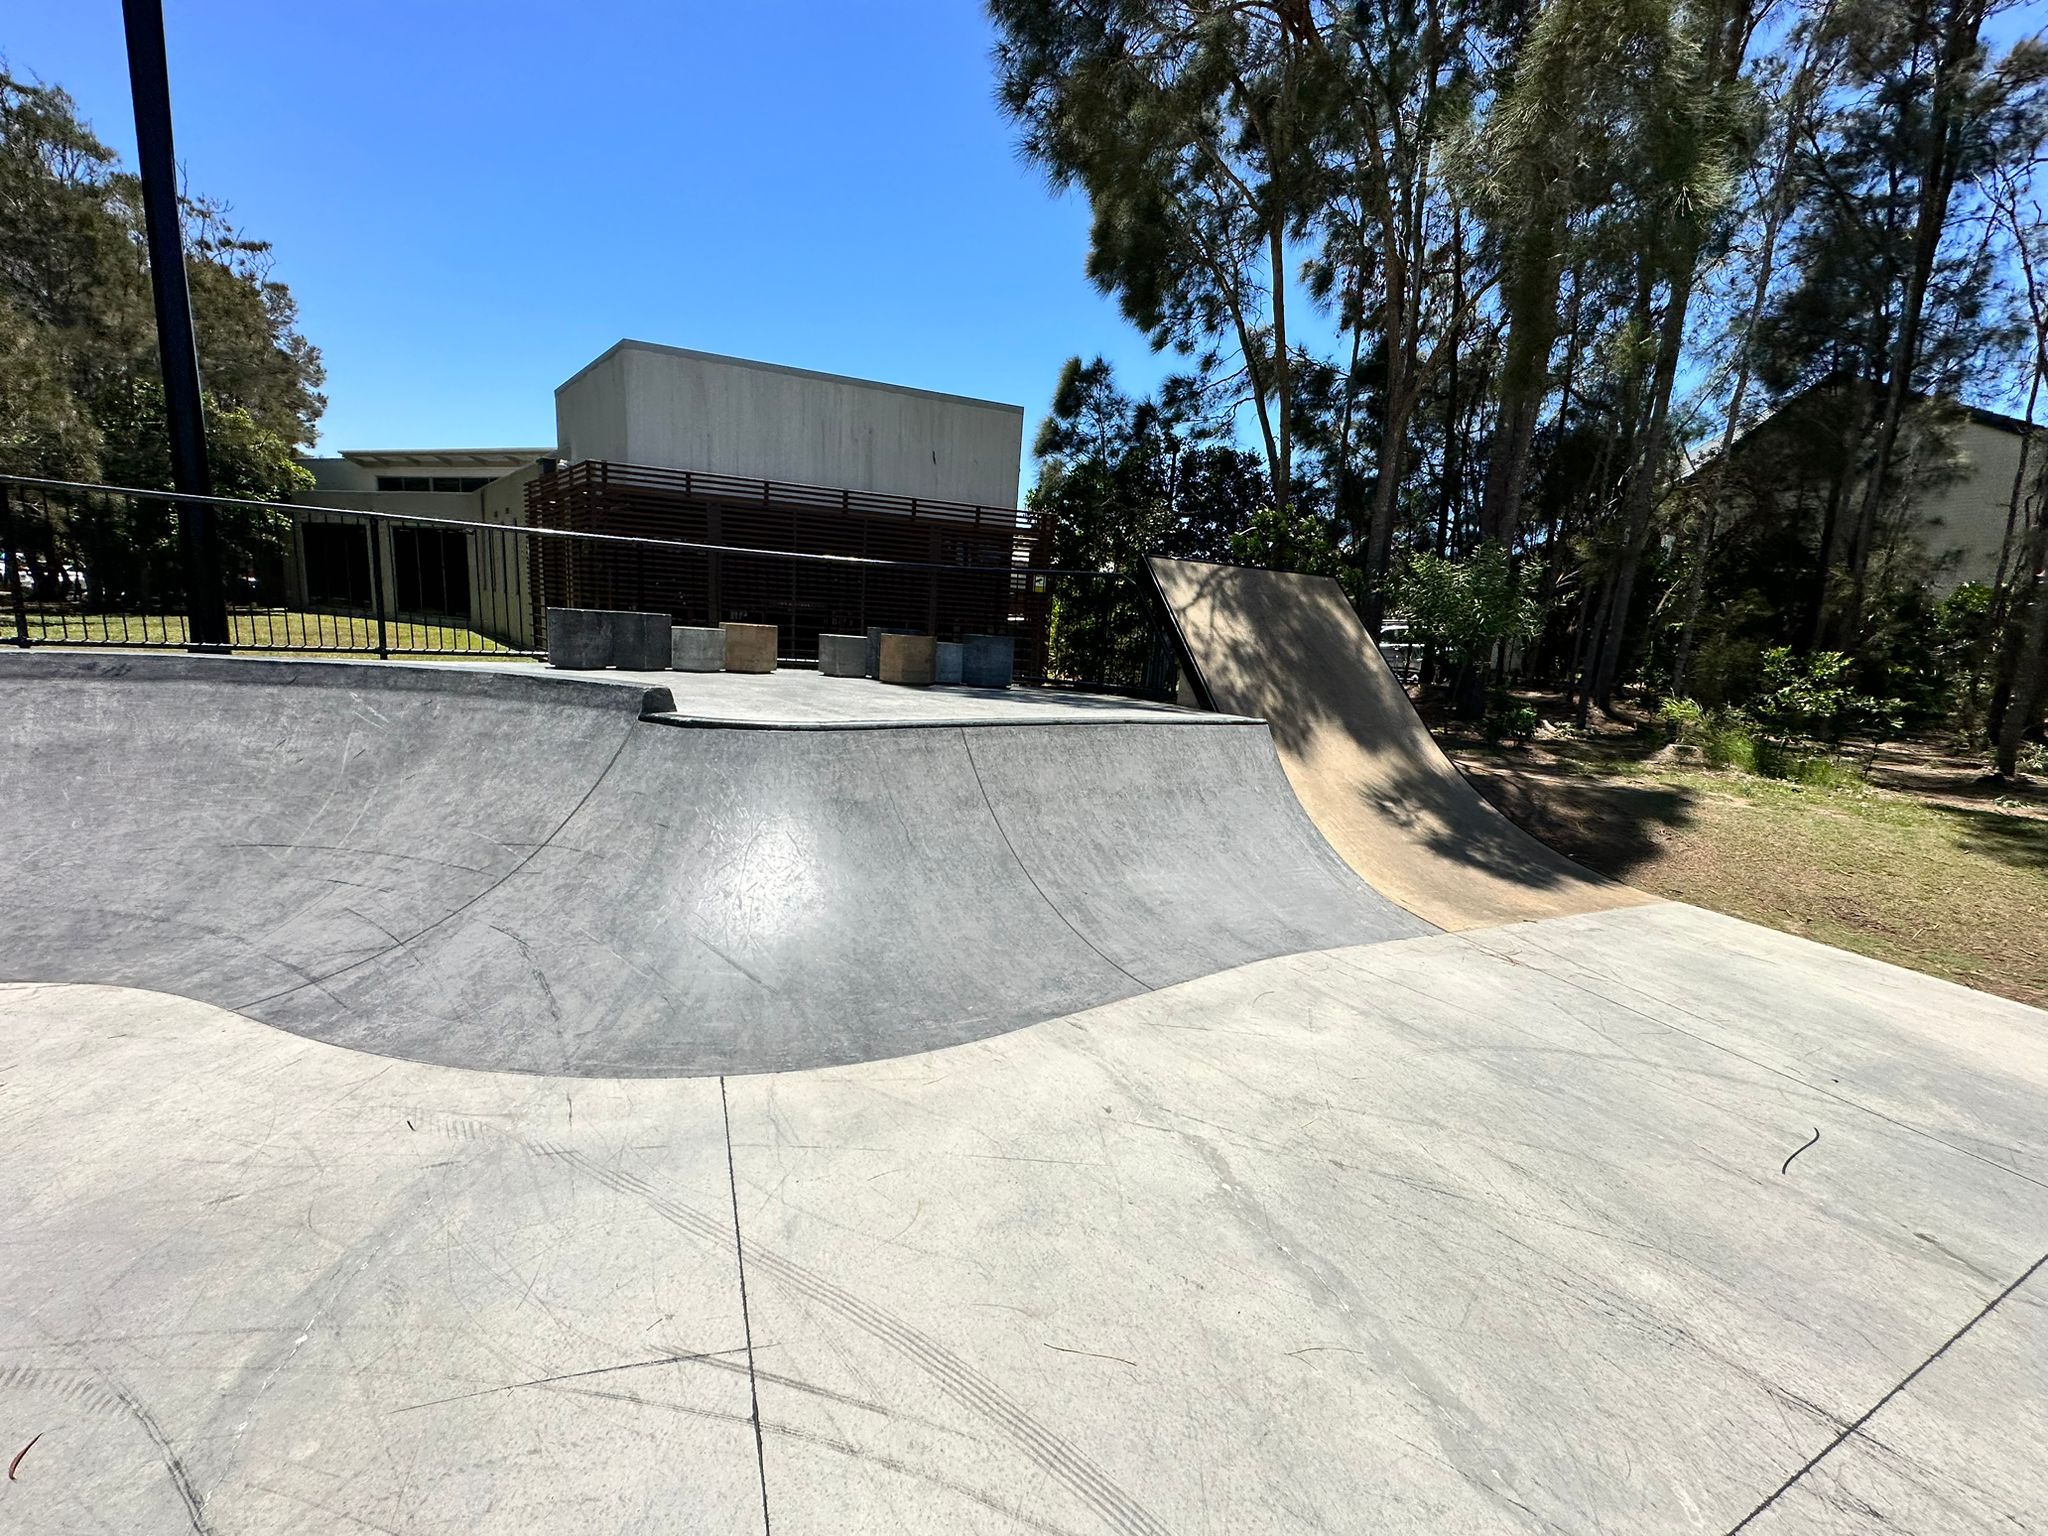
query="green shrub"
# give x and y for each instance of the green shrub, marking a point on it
(1810, 699)
(1817, 769)
(1466, 606)
(1729, 743)
(1686, 719)
(1721, 736)
(1726, 738)
(1515, 723)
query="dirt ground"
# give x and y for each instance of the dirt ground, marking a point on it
(1920, 863)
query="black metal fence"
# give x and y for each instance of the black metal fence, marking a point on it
(94, 565)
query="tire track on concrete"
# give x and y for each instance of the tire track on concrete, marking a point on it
(1118, 1510)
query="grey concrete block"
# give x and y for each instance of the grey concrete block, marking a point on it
(843, 655)
(875, 633)
(749, 647)
(579, 638)
(909, 660)
(696, 650)
(950, 664)
(989, 661)
(640, 641)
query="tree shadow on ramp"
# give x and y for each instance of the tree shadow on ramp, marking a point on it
(1611, 829)
(1290, 650)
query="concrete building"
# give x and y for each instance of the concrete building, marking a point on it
(674, 409)
(1957, 471)
(665, 443)
(420, 570)
(1962, 524)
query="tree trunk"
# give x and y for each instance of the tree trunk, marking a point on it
(1524, 381)
(1591, 643)
(2030, 677)
(1937, 181)
(1641, 500)
(1283, 465)
(1695, 592)
(1500, 513)
(1380, 543)
(1797, 104)
(1831, 519)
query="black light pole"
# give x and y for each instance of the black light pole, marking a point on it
(150, 78)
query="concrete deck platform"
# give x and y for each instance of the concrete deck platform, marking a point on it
(795, 699)
(1498, 1232)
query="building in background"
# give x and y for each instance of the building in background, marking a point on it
(421, 571)
(663, 443)
(1950, 516)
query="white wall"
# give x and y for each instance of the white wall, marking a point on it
(500, 599)
(645, 404)
(590, 412)
(1967, 518)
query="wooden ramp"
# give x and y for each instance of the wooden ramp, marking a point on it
(1290, 650)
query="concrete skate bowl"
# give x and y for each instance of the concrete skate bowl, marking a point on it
(1290, 650)
(514, 872)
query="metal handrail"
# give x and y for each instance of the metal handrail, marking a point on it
(511, 612)
(550, 533)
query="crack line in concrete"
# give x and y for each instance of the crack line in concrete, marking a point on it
(1025, 870)
(1903, 1383)
(746, 1317)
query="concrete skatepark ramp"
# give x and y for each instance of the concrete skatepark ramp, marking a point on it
(1289, 650)
(487, 869)
(1631, 1220)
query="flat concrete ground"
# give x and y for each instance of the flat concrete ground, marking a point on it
(1477, 1232)
(795, 696)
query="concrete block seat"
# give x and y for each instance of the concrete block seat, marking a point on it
(589, 639)
(579, 638)
(694, 649)
(909, 660)
(843, 655)
(988, 661)
(640, 641)
(749, 647)
(950, 665)
(875, 633)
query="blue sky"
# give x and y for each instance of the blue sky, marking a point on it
(473, 200)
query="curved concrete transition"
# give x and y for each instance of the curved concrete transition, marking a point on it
(518, 872)
(1290, 650)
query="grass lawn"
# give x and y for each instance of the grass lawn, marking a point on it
(1915, 865)
(280, 631)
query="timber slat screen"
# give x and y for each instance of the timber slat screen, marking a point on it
(802, 599)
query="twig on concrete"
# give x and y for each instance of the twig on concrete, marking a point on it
(1788, 1161)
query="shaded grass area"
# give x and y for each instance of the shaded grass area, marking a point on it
(278, 631)
(1958, 891)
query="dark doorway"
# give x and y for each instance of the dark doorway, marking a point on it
(432, 566)
(337, 564)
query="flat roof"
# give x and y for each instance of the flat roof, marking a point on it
(628, 344)
(400, 458)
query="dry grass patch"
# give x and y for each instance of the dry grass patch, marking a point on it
(1958, 889)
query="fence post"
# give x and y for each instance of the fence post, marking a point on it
(377, 589)
(13, 569)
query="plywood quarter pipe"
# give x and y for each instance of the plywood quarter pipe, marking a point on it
(1290, 650)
